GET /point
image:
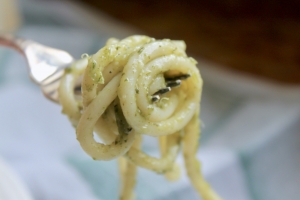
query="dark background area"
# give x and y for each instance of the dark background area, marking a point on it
(260, 38)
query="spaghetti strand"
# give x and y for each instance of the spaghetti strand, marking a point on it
(131, 88)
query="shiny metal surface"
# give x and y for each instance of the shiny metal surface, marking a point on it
(46, 65)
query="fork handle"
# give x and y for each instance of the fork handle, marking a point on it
(13, 42)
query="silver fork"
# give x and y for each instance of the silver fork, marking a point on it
(45, 64)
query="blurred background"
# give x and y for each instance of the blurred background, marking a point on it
(247, 53)
(259, 38)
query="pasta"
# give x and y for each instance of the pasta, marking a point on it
(134, 87)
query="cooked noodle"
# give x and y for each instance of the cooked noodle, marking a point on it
(134, 87)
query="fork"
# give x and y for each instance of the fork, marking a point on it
(45, 64)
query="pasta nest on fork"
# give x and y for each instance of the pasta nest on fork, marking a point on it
(134, 87)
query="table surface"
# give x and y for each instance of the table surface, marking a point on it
(260, 39)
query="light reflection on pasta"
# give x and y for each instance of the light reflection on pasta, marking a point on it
(134, 87)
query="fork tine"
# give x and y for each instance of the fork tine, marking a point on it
(45, 64)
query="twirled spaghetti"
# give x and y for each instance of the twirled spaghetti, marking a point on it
(134, 87)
